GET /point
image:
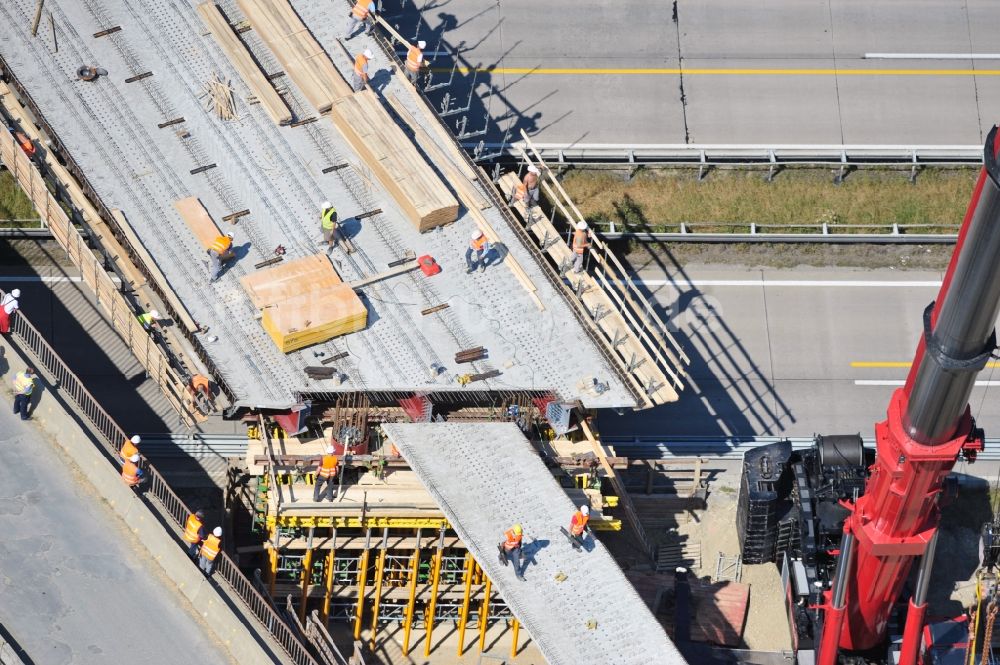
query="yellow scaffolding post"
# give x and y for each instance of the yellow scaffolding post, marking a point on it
(272, 569)
(411, 603)
(484, 615)
(515, 627)
(307, 561)
(330, 561)
(463, 617)
(379, 574)
(435, 579)
(362, 580)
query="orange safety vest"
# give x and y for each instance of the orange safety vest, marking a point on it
(128, 450)
(130, 474)
(579, 241)
(479, 243)
(26, 145)
(221, 245)
(521, 192)
(191, 529)
(513, 540)
(578, 523)
(361, 10)
(200, 382)
(360, 62)
(413, 59)
(210, 548)
(328, 469)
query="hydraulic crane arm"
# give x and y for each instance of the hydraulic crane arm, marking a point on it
(928, 426)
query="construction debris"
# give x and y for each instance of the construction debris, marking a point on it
(470, 355)
(219, 98)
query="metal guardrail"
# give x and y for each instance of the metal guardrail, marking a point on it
(109, 435)
(902, 234)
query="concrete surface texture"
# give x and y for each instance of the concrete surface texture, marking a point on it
(577, 605)
(715, 71)
(74, 587)
(791, 352)
(110, 127)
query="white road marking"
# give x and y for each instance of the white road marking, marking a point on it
(899, 382)
(823, 283)
(932, 56)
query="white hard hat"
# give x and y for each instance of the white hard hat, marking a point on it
(327, 205)
(532, 169)
(153, 313)
(217, 532)
(134, 459)
(585, 510)
(476, 234)
(136, 439)
(230, 235)
(421, 44)
(369, 54)
(16, 293)
(329, 450)
(581, 226)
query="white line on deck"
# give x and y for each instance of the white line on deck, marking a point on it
(932, 56)
(899, 382)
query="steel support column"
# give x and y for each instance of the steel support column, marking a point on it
(412, 600)
(435, 580)
(362, 581)
(484, 614)
(463, 617)
(379, 575)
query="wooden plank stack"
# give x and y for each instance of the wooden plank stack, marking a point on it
(244, 63)
(304, 60)
(394, 160)
(198, 220)
(304, 302)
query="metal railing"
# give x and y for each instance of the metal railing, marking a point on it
(812, 233)
(109, 435)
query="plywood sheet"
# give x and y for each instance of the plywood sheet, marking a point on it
(394, 160)
(289, 278)
(198, 220)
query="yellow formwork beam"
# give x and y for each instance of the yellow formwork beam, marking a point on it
(303, 521)
(362, 581)
(435, 580)
(484, 615)
(379, 575)
(306, 573)
(411, 602)
(515, 628)
(328, 582)
(463, 617)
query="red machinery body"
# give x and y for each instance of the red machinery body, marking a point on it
(927, 428)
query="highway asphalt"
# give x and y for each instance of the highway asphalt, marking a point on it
(791, 352)
(772, 71)
(73, 588)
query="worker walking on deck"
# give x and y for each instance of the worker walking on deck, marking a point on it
(129, 448)
(194, 532)
(24, 386)
(131, 473)
(326, 473)
(210, 550)
(359, 76)
(415, 62)
(530, 182)
(510, 549)
(220, 251)
(8, 305)
(578, 526)
(478, 253)
(581, 241)
(329, 224)
(360, 13)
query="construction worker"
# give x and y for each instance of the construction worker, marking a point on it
(510, 549)
(194, 532)
(149, 319)
(24, 386)
(359, 77)
(129, 448)
(578, 526)
(221, 250)
(580, 243)
(329, 224)
(131, 473)
(199, 393)
(326, 473)
(415, 62)
(8, 305)
(362, 11)
(478, 253)
(530, 183)
(27, 145)
(209, 550)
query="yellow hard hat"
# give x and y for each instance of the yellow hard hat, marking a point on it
(517, 529)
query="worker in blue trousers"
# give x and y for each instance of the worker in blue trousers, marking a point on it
(24, 387)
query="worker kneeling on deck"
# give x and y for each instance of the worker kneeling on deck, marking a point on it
(478, 253)
(510, 549)
(209, 550)
(327, 473)
(220, 251)
(578, 526)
